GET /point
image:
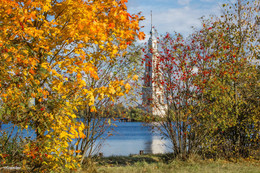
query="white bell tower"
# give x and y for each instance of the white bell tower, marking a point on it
(153, 91)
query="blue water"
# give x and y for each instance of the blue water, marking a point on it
(128, 138)
(29, 133)
(131, 137)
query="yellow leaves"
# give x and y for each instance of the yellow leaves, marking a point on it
(46, 7)
(90, 69)
(45, 93)
(48, 136)
(37, 82)
(32, 15)
(78, 51)
(45, 65)
(80, 46)
(114, 3)
(66, 51)
(74, 132)
(123, 46)
(81, 131)
(58, 88)
(111, 25)
(24, 164)
(127, 86)
(101, 96)
(118, 89)
(82, 83)
(123, 17)
(72, 115)
(33, 95)
(114, 50)
(111, 90)
(4, 95)
(33, 61)
(91, 100)
(135, 77)
(79, 76)
(90, 97)
(80, 26)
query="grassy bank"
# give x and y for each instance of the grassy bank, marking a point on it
(163, 164)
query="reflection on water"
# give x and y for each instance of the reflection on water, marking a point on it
(131, 137)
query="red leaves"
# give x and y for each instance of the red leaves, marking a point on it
(167, 36)
(124, 1)
(32, 71)
(111, 25)
(21, 24)
(5, 155)
(4, 50)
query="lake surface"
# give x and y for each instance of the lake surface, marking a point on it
(128, 138)
(131, 137)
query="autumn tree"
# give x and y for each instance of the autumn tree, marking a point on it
(43, 62)
(114, 73)
(230, 92)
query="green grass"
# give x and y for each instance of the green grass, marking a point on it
(182, 167)
(163, 164)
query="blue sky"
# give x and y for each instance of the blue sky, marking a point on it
(174, 15)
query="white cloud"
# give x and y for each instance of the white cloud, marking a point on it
(175, 17)
(184, 2)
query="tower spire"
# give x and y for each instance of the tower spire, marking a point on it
(151, 19)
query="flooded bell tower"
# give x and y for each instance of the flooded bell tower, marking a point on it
(153, 91)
